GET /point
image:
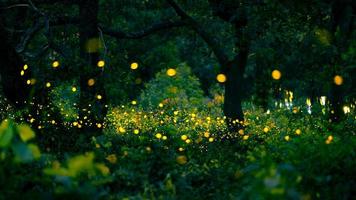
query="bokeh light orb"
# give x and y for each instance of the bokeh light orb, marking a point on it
(276, 74)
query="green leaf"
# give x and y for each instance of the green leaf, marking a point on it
(36, 153)
(6, 133)
(22, 152)
(25, 132)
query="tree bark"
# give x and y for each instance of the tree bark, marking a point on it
(91, 109)
(14, 86)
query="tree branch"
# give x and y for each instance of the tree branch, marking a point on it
(209, 39)
(145, 32)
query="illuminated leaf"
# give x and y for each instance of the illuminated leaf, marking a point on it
(25, 132)
(6, 133)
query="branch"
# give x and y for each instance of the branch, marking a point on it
(29, 34)
(145, 32)
(209, 39)
(14, 3)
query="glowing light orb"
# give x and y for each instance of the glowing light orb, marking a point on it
(206, 134)
(266, 129)
(287, 138)
(346, 109)
(25, 67)
(171, 72)
(338, 80)
(121, 130)
(74, 89)
(22, 72)
(182, 160)
(134, 65)
(91, 82)
(298, 131)
(48, 84)
(184, 137)
(55, 64)
(101, 63)
(136, 131)
(241, 132)
(276, 74)
(330, 137)
(158, 136)
(99, 97)
(221, 78)
(133, 102)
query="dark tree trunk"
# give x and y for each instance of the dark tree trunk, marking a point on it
(233, 92)
(92, 110)
(235, 76)
(14, 86)
(261, 85)
(342, 21)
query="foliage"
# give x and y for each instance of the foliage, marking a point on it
(182, 90)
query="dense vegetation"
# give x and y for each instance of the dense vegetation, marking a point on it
(177, 99)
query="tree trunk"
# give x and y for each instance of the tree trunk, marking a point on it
(261, 85)
(233, 94)
(14, 86)
(91, 109)
(234, 74)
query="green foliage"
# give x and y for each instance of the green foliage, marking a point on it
(66, 100)
(181, 90)
(14, 142)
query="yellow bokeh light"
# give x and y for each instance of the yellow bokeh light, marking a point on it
(48, 84)
(99, 96)
(181, 160)
(133, 102)
(134, 65)
(330, 137)
(287, 138)
(276, 74)
(266, 129)
(101, 63)
(298, 131)
(221, 78)
(171, 72)
(184, 137)
(338, 80)
(206, 134)
(136, 131)
(74, 89)
(121, 130)
(158, 136)
(91, 82)
(211, 139)
(25, 67)
(55, 64)
(32, 81)
(22, 72)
